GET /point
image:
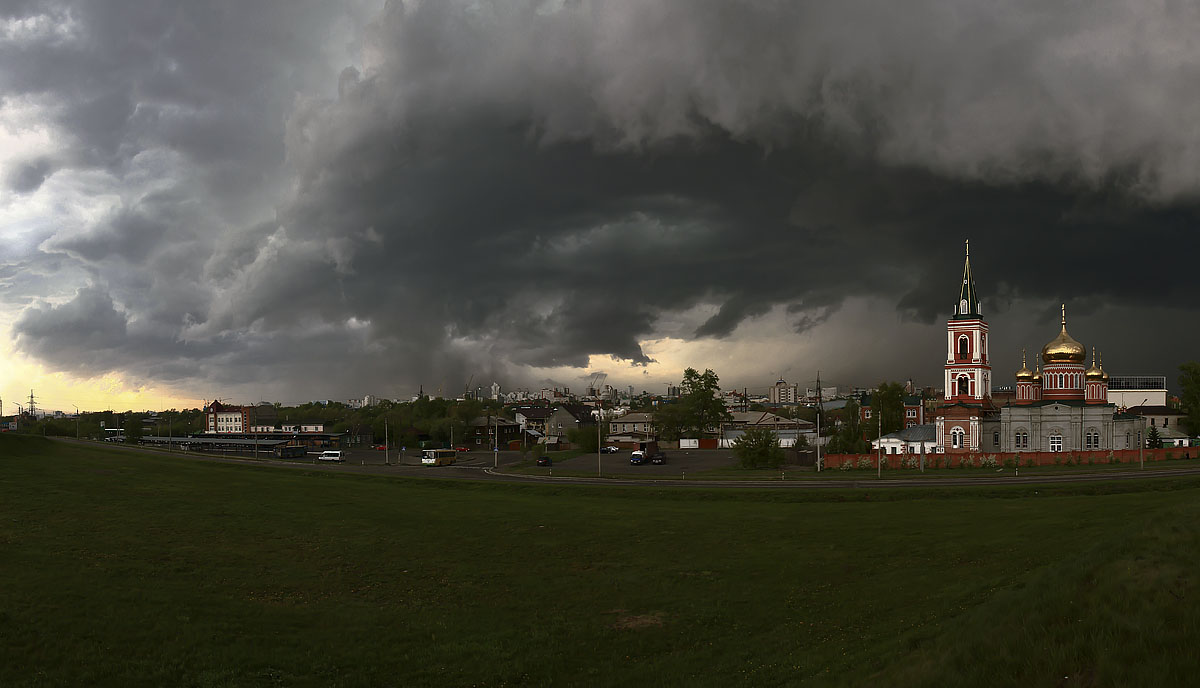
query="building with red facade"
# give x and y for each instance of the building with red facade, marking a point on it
(1061, 406)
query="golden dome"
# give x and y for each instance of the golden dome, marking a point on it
(1064, 348)
(1094, 373)
(1103, 375)
(1024, 374)
(1037, 375)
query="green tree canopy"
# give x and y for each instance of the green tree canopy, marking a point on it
(1189, 385)
(702, 407)
(887, 403)
(759, 448)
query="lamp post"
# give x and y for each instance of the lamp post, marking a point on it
(599, 426)
(76, 421)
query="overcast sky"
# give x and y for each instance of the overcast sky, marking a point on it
(304, 199)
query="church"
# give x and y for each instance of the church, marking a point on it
(1061, 406)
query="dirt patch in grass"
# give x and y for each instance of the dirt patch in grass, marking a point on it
(639, 621)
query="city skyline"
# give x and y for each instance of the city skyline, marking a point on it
(303, 200)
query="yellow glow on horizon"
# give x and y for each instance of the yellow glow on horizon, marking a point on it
(63, 392)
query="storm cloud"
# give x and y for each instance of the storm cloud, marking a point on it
(423, 191)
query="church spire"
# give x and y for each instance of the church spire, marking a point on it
(968, 300)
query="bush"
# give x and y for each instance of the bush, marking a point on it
(846, 465)
(988, 461)
(1029, 463)
(866, 462)
(966, 462)
(910, 462)
(759, 448)
(1010, 463)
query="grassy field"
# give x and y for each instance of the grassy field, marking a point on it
(121, 569)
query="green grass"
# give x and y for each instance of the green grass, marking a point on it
(122, 569)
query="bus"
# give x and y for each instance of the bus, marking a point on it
(438, 457)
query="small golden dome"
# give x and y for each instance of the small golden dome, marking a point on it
(1037, 375)
(1064, 348)
(1094, 373)
(1103, 375)
(1024, 374)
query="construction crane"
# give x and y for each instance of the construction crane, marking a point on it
(467, 387)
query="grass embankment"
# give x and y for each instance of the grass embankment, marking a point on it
(122, 569)
(793, 472)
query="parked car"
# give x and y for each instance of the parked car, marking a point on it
(609, 450)
(544, 461)
(637, 458)
(461, 449)
(658, 458)
(331, 455)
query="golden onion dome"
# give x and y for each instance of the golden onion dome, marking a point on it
(1037, 375)
(1094, 373)
(1103, 375)
(1024, 374)
(1064, 348)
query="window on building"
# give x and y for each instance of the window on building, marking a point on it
(964, 385)
(911, 413)
(956, 438)
(1151, 421)
(1021, 440)
(964, 347)
(1091, 440)
(1056, 442)
(995, 439)
(866, 413)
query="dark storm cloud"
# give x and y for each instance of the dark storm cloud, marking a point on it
(530, 183)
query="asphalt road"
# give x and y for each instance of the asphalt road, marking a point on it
(478, 465)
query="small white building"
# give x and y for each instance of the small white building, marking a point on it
(909, 440)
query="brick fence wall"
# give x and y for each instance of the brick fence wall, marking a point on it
(1024, 458)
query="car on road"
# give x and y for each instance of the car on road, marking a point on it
(334, 455)
(461, 449)
(658, 458)
(544, 461)
(609, 450)
(638, 457)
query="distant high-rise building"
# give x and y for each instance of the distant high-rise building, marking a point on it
(782, 393)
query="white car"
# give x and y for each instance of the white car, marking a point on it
(331, 455)
(609, 450)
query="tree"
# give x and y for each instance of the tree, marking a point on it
(887, 403)
(669, 420)
(848, 438)
(758, 448)
(133, 428)
(1153, 440)
(584, 438)
(1189, 385)
(703, 409)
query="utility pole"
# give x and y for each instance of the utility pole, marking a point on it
(496, 443)
(386, 450)
(32, 408)
(818, 421)
(76, 421)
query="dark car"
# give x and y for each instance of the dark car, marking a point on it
(544, 461)
(658, 459)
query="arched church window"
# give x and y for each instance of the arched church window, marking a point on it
(956, 438)
(1056, 442)
(964, 347)
(964, 385)
(962, 307)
